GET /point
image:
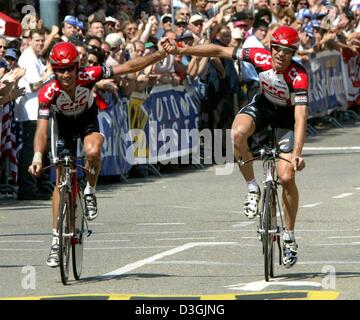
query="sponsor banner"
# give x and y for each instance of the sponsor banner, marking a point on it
(195, 89)
(137, 120)
(326, 83)
(352, 76)
(171, 115)
(115, 127)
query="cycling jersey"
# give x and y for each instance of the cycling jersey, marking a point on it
(288, 88)
(52, 98)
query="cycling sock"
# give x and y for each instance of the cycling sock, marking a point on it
(55, 239)
(290, 235)
(89, 189)
(253, 186)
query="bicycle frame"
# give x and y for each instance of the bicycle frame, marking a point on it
(72, 224)
(269, 229)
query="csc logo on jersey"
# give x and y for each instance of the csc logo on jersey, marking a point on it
(81, 102)
(87, 75)
(261, 58)
(274, 91)
(50, 91)
(294, 75)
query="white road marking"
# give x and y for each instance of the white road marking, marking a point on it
(104, 241)
(37, 206)
(261, 285)
(343, 237)
(331, 148)
(160, 223)
(243, 224)
(312, 205)
(140, 263)
(343, 195)
(21, 241)
(331, 262)
(337, 244)
(175, 239)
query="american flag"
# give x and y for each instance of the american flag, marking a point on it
(8, 138)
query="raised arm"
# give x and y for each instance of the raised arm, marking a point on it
(140, 63)
(201, 50)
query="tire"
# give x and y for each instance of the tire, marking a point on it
(64, 231)
(78, 243)
(268, 243)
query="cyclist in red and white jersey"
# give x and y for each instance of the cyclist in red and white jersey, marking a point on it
(283, 104)
(69, 100)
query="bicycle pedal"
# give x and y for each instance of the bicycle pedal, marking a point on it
(89, 232)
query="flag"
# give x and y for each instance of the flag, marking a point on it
(8, 143)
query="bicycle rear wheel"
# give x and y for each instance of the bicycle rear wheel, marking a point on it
(64, 234)
(268, 237)
(78, 239)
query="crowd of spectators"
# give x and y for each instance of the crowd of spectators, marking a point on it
(113, 31)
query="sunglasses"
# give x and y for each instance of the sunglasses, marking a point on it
(3, 47)
(286, 50)
(63, 70)
(92, 62)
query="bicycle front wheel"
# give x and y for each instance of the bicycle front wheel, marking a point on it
(78, 239)
(268, 237)
(64, 234)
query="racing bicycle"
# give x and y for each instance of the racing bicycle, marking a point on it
(271, 221)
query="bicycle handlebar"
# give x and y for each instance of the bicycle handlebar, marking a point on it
(265, 153)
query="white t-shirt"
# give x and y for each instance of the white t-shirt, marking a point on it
(27, 105)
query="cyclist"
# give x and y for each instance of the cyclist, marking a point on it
(283, 104)
(68, 99)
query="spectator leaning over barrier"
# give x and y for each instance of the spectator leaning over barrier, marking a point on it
(26, 112)
(82, 119)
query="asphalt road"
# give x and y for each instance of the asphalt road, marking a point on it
(184, 235)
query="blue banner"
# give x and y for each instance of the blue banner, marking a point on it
(171, 115)
(326, 84)
(114, 125)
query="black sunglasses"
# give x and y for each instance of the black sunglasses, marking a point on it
(63, 70)
(286, 50)
(3, 47)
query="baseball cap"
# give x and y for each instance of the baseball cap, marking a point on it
(180, 21)
(149, 45)
(74, 22)
(239, 16)
(114, 40)
(11, 53)
(196, 17)
(166, 15)
(110, 19)
(240, 24)
(187, 35)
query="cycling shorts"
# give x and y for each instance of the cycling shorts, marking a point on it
(70, 129)
(264, 113)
